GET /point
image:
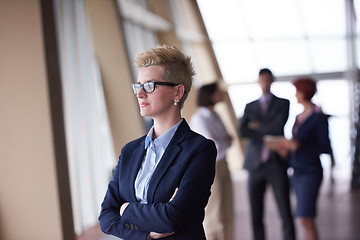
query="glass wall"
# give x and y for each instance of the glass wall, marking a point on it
(88, 136)
(289, 37)
(292, 38)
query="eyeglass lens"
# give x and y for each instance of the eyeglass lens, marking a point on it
(148, 87)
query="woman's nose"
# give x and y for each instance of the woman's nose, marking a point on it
(141, 93)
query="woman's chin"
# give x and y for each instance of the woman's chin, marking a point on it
(144, 113)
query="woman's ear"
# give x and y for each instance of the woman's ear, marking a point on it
(180, 90)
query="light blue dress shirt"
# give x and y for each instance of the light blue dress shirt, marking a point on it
(155, 150)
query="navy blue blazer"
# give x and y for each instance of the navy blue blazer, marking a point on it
(271, 123)
(313, 136)
(188, 163)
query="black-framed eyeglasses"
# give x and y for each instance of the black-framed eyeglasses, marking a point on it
(149, 87)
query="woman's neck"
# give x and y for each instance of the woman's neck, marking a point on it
(162, 125)
(308, 106)
(308, 109)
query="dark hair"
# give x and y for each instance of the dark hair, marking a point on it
(265, 71)
(307, 86)
(205, 93)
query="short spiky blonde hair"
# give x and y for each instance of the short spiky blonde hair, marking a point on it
(177, 68)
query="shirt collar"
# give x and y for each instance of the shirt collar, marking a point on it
(164, 139)
(266, 98)
(148, 137)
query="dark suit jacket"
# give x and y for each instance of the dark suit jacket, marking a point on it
(188, 163)
(271, 123)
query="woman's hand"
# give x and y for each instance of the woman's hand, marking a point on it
(286, 146)
(173, 196)
(282, 149)
(293, 145)
(154, 235)
(123, 207)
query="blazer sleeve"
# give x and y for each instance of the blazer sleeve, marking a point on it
(249, 115)
(323, 135)
(110, 219)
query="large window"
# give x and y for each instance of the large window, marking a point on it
(292, 38)
(88, 137)
(140, 27)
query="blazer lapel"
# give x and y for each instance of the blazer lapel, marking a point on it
(168, 158)
(258, 106)
(270, 104)
(272, 100)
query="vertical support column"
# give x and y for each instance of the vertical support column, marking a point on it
(353, 76)
(57, 117)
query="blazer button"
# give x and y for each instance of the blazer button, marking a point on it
(136, 227)
(127, 226)
(132, 226)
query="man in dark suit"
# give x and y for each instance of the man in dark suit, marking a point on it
(266, 116)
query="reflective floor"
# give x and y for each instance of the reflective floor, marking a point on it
(338, 211)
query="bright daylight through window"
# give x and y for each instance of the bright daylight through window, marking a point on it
(292, 38)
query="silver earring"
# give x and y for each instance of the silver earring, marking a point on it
(176, 102)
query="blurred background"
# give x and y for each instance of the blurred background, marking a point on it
(67, 108)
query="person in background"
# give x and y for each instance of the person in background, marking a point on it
(219, 219)
(310, 139)
(162, 181)
(266, 116)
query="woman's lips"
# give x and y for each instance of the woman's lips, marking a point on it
(143, 104)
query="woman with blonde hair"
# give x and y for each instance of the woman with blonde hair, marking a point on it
(162, 181)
